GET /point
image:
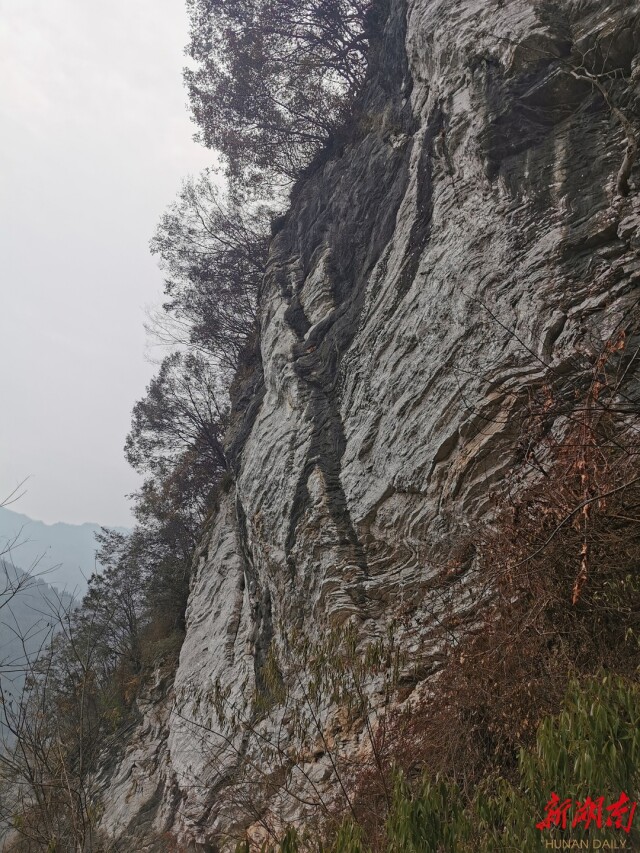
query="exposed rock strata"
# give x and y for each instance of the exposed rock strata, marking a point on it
(461, 252)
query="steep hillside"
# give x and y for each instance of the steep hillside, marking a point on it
(468, 255)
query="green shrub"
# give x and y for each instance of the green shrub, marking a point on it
(591, 748)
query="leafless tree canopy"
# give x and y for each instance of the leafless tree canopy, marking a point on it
(213, 253)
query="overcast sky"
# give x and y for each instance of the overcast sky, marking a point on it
(95, 139)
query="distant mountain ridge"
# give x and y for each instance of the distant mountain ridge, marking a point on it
(64, 554)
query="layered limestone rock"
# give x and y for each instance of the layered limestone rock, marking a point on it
(468, 246)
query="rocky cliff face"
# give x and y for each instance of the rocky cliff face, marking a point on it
(462, 251)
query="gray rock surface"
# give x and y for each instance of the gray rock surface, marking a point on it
(468, 247)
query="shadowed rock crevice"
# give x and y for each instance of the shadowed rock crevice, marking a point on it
(421, 228)
(259, 598)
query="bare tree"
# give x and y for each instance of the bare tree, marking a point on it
(274, 79)
(48, 800)
(13, 581)
(213, 252)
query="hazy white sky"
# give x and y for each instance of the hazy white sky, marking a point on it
(94, 141)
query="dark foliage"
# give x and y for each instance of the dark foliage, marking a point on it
(273, 79)
(183, 410)
(213, 252)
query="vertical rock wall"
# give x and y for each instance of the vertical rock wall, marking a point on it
(463, 250)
